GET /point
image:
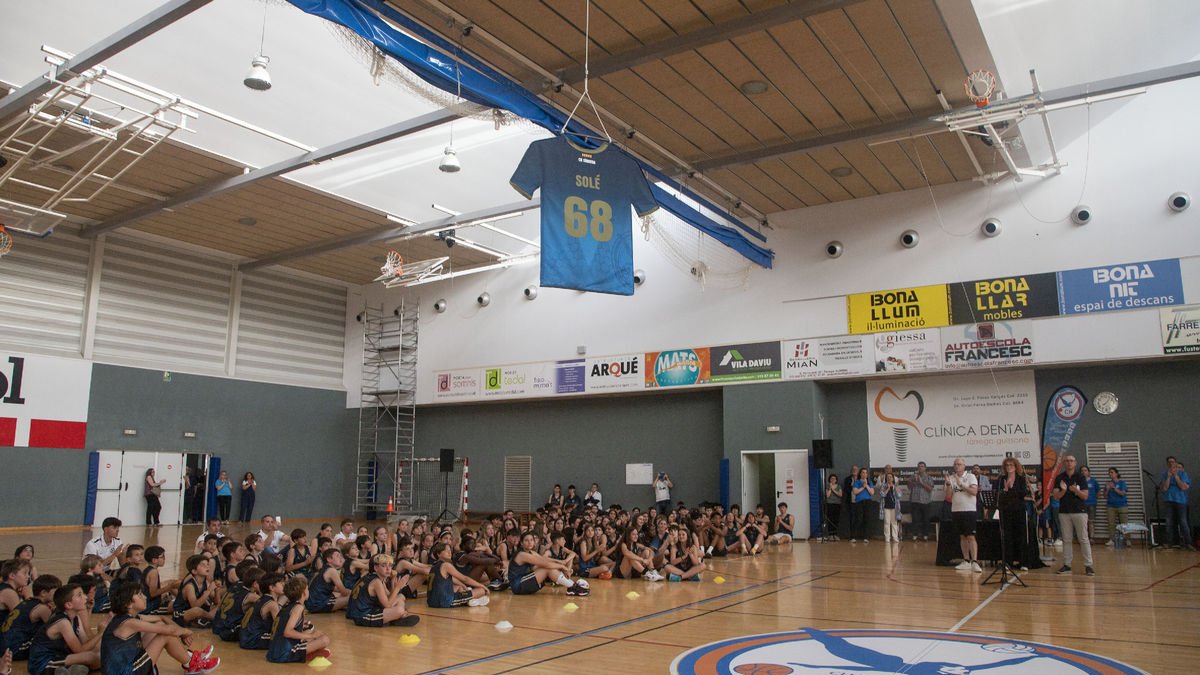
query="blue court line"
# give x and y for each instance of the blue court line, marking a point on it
(601, 629)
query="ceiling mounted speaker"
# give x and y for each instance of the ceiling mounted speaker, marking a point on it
(440, 306)
(909, 238)
(484, 299)
(1178, 201)
(990, 227)
(834, 249)
(1081, 215)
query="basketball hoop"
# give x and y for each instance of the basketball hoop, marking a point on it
(980, 85)
(393, 266)
(6, 241)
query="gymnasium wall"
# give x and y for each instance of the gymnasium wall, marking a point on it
(298, 441)
(582, 441)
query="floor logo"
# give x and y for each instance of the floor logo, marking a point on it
(886, 651)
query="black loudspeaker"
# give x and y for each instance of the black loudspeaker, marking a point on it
(447, 460)
(822, 453)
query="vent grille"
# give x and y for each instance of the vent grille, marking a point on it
(1127, 458)
(518, 482)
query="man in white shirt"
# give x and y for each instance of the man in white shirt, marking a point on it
(108, 545)
(962, 486)
(214, 528)
(593, 496)
(347, 532)
(662, 493)
(272, 538)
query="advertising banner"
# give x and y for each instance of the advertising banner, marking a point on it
(828, 357)
(1130, 286)
(909, 351)
(1063, 415)
(506, 382)
(1004, 298)
(1180, 329)
(999, 344)
(745, 362)
(899, 309)
(677, 368)
(457, 385)
(43, 401)
(570, 377)
(614, 373)
(981, 417)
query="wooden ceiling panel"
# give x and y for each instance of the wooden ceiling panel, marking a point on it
(859, 64)
(682, 132)
(727, 69)
(734, 118)
(878, 28)
(869, 166)
(720, 11)
(768, 185)
(819, 66)
(698, 102)
(509, 29)
(789, 122)
(926, 31)
(607, 35)
(928, 160)
(855, 184)
(899, 164)
(817, 177)
(680, 17)
(953, 154)
(643, 25)
(735, 184)
(794, 182)
(791, 81)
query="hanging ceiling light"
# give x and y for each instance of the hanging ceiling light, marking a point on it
(258, 78)
(450, 163)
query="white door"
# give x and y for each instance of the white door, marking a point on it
(132, 508)
(791, 486)
(169, 467)
(108, 485)
(750, 473)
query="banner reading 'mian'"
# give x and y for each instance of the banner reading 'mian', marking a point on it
(899, 309)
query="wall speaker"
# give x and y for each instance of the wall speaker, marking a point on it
(822, 453)
(447, 460)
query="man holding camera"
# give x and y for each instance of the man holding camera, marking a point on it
(961, 488)
(662, 493)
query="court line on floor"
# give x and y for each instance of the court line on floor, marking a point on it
(978, 609)
(654, 628)
(593, 631)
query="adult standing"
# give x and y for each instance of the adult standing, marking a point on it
(1013, 493)
(833, 506)
(920, 494)
(962, 488)
(199, 491)
(152, 489)
(862, 490)
(889, 508)
(1071, 489)
(662, 493)
(1093, 499)
(1175, 484)
(1116, 498)
(246, 505)
(224, 496)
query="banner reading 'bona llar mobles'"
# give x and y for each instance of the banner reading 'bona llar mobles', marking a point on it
(982, 417)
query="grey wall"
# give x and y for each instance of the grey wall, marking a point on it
(582, 441)
(795, 407)
(299, 442)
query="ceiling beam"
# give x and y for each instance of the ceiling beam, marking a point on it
(216, 187)
(386, 233)
(149, 24)
(918, 126)
(727, 30)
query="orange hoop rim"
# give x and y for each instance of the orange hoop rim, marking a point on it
(984, 77)
(393, 265)
(6, 241)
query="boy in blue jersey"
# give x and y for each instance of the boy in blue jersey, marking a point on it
(23, 621)
(256, 624)
(376, 600)
(326, 593)
(63, 642)
(587, 231)
(291, 640)
(452, 588)
(158, 592)
(133, 642)
(194, 604)
(236, 601)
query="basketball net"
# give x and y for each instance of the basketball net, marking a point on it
(393, 266)
(6, 241)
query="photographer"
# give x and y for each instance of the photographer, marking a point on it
(662, 493)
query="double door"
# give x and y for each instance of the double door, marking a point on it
(120, 485)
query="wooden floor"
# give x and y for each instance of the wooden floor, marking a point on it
(1143, 608)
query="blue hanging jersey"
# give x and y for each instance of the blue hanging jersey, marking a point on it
(587, 230)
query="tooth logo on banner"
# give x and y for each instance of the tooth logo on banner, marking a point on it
(901, 425)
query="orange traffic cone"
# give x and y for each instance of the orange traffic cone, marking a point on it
(391, 505)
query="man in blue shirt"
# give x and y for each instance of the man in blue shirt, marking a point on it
(1174, 483)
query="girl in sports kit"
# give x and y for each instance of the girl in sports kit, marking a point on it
(298, 558)
(452, 588)
(685, 560)
(290, 641)
(376, 600)
(528, 570)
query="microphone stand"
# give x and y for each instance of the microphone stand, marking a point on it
(1157, 509)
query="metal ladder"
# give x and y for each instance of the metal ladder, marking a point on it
(387, 408)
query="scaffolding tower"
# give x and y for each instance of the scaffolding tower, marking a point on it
(387, 409)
